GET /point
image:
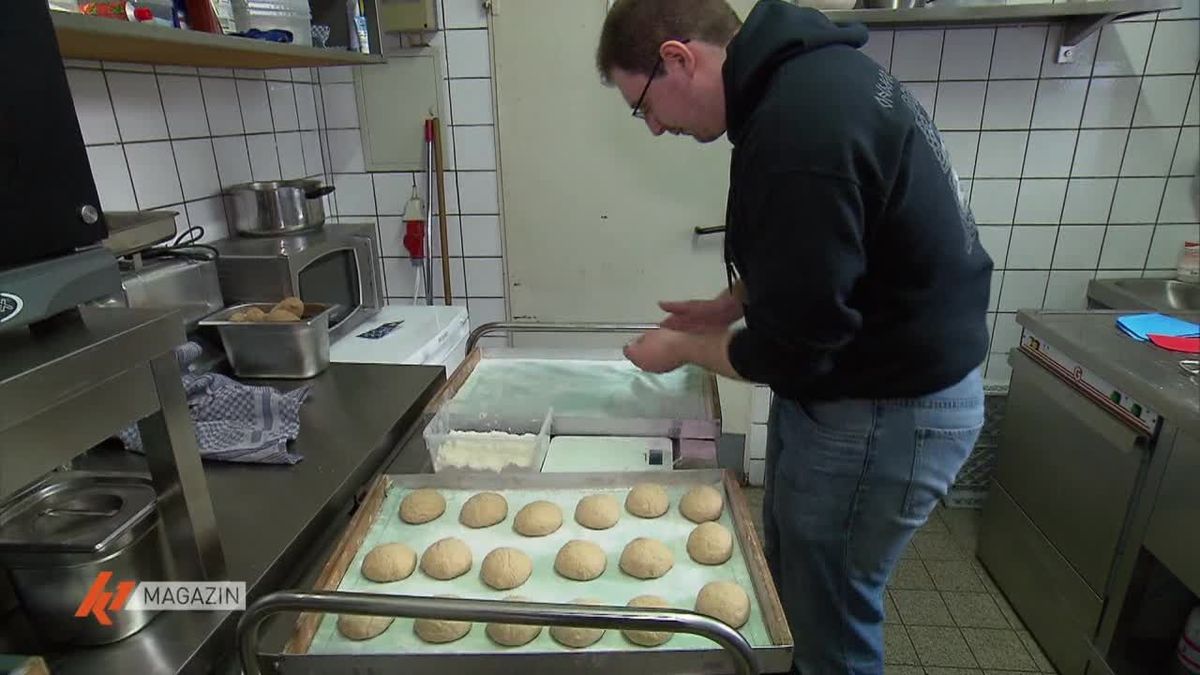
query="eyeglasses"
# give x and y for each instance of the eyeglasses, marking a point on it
(638, 112)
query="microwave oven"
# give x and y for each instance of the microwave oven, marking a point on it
(337, 265)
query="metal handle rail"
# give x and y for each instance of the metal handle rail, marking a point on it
(701, 231)
(540, 327)
(461, 609)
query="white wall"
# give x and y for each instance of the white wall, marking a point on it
(472, 194)
(170, 137)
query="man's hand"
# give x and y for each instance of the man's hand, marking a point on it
(663, 350)
(703, 316)
(658, 351)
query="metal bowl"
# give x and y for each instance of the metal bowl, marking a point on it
(294, 350)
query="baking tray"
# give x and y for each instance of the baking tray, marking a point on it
(680, 405)
(316, 646)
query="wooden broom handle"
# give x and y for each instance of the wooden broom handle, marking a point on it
(440, 168)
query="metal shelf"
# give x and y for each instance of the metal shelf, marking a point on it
(89, 37)
(1080, 18)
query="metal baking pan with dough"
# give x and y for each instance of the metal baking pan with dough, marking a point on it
(316, 646)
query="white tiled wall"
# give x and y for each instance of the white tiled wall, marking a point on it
(472, 194)
(1074, 170)
(171, 137)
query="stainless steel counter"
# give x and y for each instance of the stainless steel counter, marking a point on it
(1145, 372)
(274, 521)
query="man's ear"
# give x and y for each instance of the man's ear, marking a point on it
(675, 54)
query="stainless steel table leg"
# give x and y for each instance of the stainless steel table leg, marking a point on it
(169, 440)
(535, 613)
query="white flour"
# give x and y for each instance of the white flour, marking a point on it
(485, 450)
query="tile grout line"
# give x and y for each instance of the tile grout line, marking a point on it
(120, 137)
(1071, 167)
(1162, 200)
(1125, 149)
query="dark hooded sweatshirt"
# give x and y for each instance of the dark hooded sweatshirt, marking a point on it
(863, 270)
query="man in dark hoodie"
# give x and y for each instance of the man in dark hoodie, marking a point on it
(859, 273)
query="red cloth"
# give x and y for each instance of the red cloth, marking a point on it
(1187, 345)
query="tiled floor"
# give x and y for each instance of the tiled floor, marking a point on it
(943, 613)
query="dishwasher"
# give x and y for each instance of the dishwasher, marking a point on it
(1072, 456)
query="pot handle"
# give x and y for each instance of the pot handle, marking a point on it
(320, 192)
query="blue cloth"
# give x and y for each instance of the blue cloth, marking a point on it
(848, 483)
(235, 422)
(1141, 326)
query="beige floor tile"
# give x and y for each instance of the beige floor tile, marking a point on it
(937, 546)
(964, 527)
(1009, 613)
(985, 577)
(941, 646)
(954, 575)
(921, 608)
(953, 671)
(1039, 657)
(936, 523)
(974, 610)
(911, 575)
(910, 553)
(998, 648)
(889, 669)
(897, 648)
(890, 615)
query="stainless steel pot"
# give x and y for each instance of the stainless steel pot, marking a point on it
(272, 208)
(57, 536)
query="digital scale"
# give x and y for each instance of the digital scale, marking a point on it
(608, 453)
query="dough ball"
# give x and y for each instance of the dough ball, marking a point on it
(389, 562)
(422, 506)
(598, 512)
(483, 510)
(537, 519)
(504, 568)
(361, 626)
(438, 631)
(512, 634)
(580, 560)
(648, 638)
(291, 304)
(280, 316)
(724, 601)
(647, 500)
(646, 558)
(577, 638)
(710, 544)
(238, 317)
(446, 559)
(702, 504)
(255, 314)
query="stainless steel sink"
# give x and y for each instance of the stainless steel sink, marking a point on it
(1162, 295)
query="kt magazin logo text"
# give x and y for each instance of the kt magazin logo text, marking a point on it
(104, 597)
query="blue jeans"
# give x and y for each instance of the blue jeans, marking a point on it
(847, 484)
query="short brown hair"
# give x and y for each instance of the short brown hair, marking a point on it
(635, 29)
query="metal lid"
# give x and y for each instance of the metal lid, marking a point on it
(74, 514)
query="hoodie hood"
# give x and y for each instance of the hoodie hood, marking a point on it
(774, 32)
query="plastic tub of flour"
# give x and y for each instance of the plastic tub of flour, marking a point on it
(471, 443)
